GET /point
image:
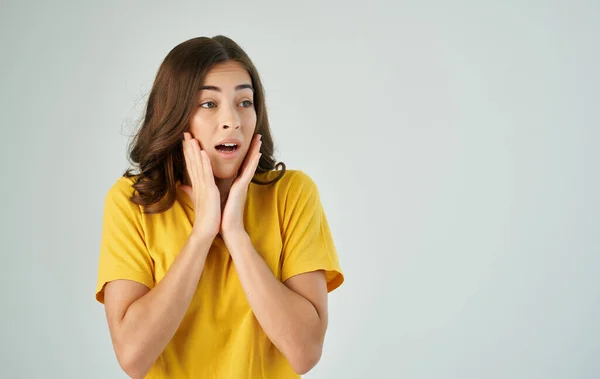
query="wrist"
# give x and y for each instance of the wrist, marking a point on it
(202, 238)
(235, 238)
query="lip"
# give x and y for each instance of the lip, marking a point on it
(229, 155)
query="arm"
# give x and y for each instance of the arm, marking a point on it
(292, 314)
(142, 321)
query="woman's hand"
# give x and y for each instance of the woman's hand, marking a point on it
(233, 214)
(203, 192)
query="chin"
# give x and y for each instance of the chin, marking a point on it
(225, 172)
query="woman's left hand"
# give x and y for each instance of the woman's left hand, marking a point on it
(232, 219)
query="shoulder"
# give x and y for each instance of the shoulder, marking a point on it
(300, 185)
(292, 178)
(293, 181)
(120, 192)
(299, 178)
(123, 185)
(297, 190)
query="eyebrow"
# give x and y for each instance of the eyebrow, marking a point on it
(237, 88)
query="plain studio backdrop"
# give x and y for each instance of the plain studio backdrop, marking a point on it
(455, 146)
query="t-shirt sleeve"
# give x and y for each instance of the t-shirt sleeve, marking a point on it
(307, 241)
(123, 251)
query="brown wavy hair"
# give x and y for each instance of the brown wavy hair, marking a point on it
(156, 149)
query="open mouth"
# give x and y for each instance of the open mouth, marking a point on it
(227, 147)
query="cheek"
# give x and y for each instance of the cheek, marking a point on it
(202, 138)
(250, 124)
(200, 131)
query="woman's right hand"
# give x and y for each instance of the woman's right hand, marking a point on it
(203, 191)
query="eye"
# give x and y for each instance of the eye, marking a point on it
(248, 102)
(208, 102)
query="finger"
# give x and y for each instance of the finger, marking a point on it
(195, 165)
(251, 168)
(207, 168)
(197, 160)
(250, 164)
(257, 142)
(186, 155)
(192, 161)
(253, 150)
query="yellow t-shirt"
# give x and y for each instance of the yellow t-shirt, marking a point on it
(219, 336)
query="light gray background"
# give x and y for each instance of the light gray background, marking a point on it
(455, 145)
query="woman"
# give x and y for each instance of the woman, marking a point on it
(213, 264)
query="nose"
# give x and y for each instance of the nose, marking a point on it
(229, 118)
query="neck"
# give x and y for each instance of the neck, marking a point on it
(224, 185)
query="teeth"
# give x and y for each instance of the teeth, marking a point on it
(229, 144)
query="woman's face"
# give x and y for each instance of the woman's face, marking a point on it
(224, 118)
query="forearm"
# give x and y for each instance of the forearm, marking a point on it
(290, 321)
(152, 320)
